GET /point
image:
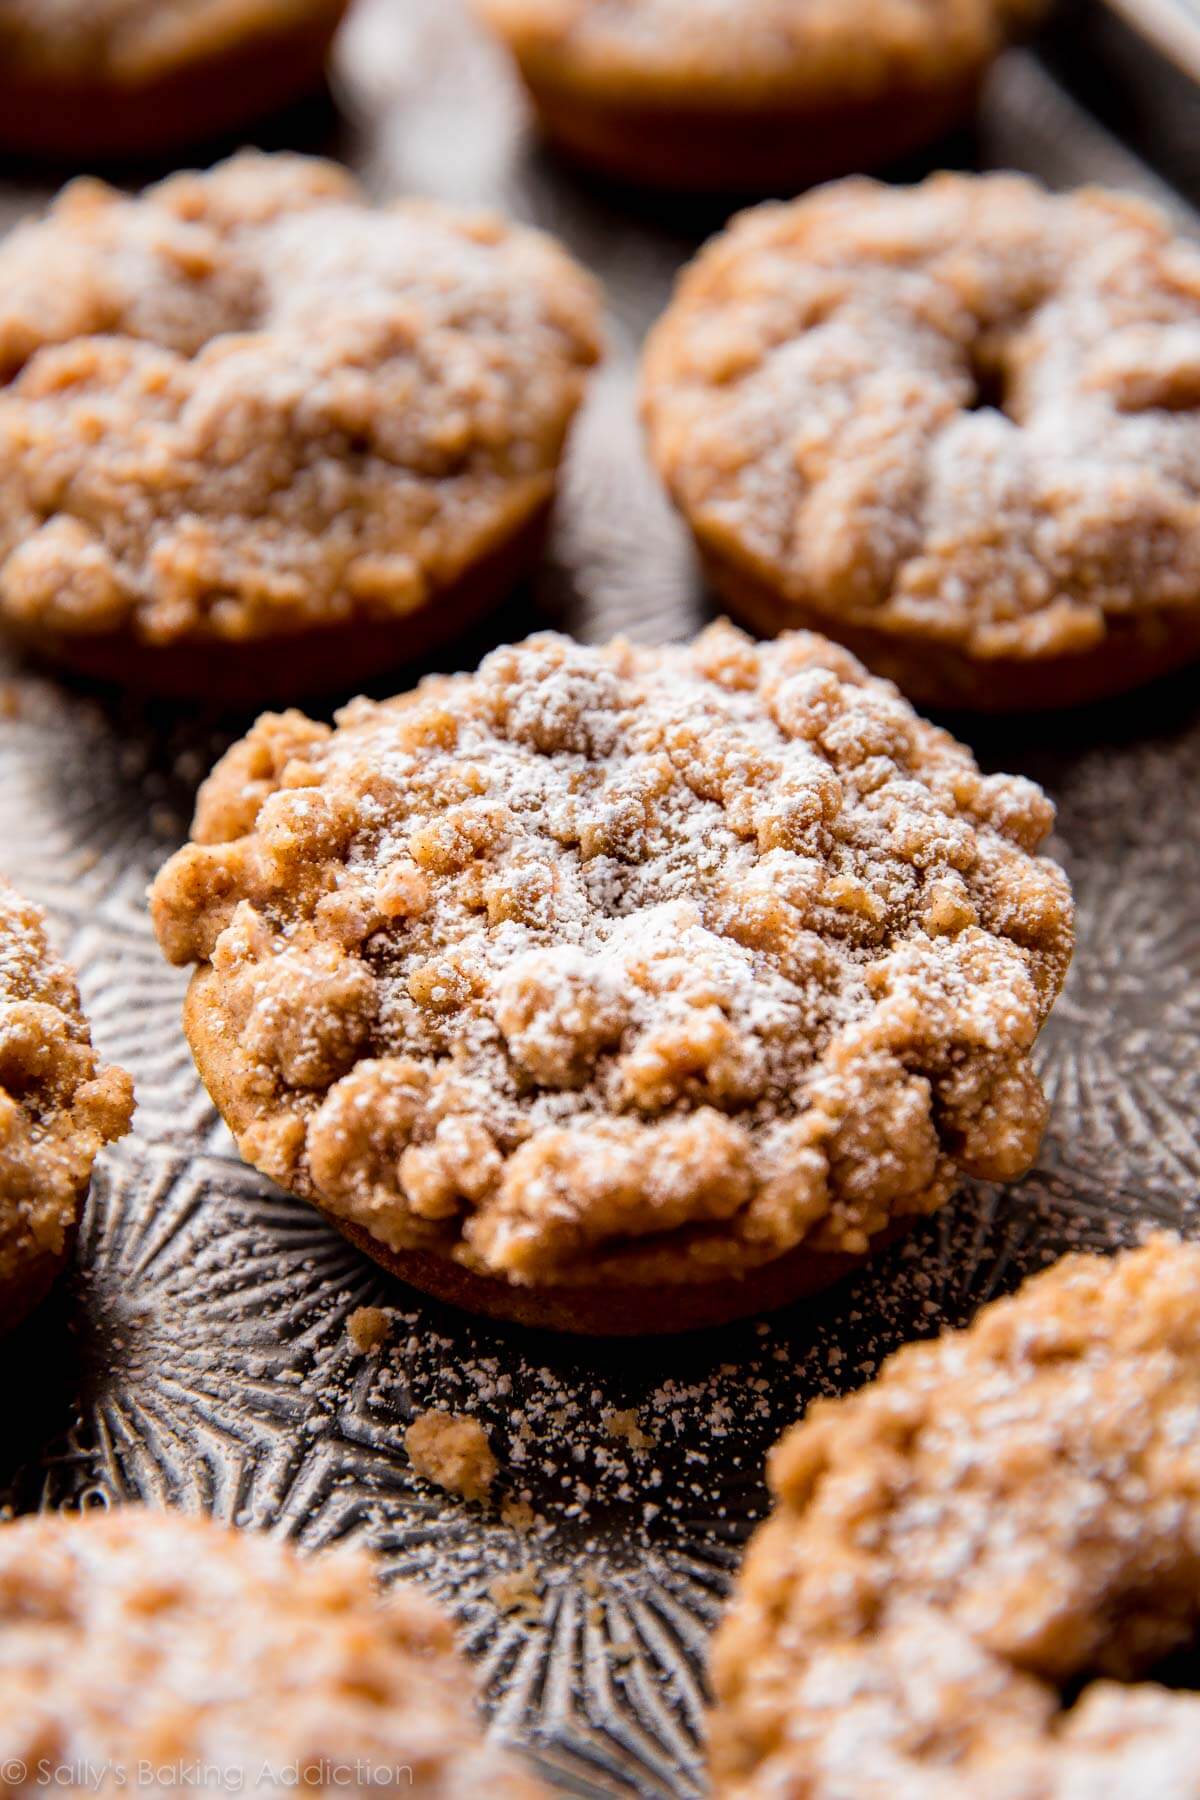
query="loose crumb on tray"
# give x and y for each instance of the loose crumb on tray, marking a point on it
(453, 1452)
(518, 1514)
(367, 1328)
(517, 1592)
(623, 1423)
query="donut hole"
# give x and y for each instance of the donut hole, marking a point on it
(989, 380)
(1179, 1670)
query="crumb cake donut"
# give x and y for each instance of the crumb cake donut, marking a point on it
(115, 78)
(957, 426)
(969, 1558)
(764, 95)
(620, 989)
(58, 1107)
(258, 436)
(176, 1653)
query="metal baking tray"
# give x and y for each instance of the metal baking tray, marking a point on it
(198, 1356)
(1172, 26)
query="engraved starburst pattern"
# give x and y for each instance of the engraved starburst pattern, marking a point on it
(1119, 1056)
(199, 1353)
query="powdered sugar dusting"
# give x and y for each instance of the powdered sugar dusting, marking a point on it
(758, 50)
(1003, 1513)
(638, 960)
(245, 403)
(966, 412)
(58, 1106)
(148, 1648)
(136, 40)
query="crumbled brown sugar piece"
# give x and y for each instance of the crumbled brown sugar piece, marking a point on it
(655, 961)
(135, 1637)
(623, 1423)
(759, 51)
(518, 1514)
(58, 1104)
(135, 41)
(1001, 1515)
(965, 413)
(453, 1452)
(246, 403)
(368, 1328)
(518, 1592)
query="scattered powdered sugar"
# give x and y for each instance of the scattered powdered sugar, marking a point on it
(591, 1509)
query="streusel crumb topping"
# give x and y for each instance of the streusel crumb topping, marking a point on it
(133, 1639)
(58, 1104)
(136, 41)
(765, 50)
(1002, 1515)
(967, 411)
(247, 402)
(655, 959)
(452, 1451)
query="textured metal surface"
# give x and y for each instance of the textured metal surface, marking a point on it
(1173, 26)
(198, 1356)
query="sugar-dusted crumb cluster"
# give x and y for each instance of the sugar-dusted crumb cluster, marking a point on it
(368, 1328)
(1004, 1514)
(136, 41)
(965, 413)
(518, 1594)
(763, 51)
(58, 1104)
(453, 1452)
(136, 1637)
(247, 403)
(655, 961)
